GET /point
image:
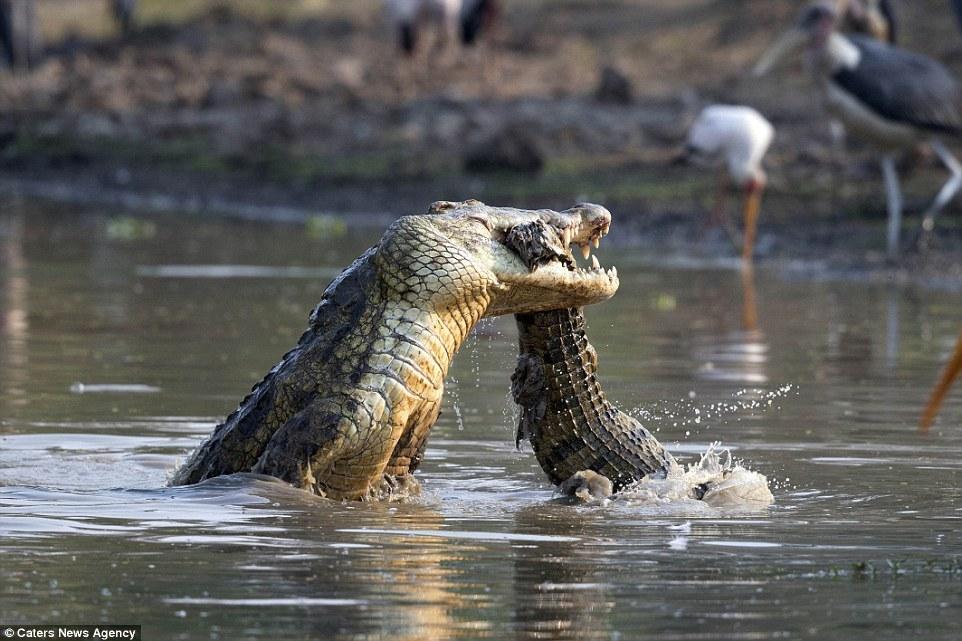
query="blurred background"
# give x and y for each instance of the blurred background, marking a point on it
(314, 105)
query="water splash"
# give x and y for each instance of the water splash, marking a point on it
(453, 393)
(715, 478)
(113, 388)
(693, 416)
(395, 489)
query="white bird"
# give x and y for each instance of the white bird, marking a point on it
(734, 138)
(453, 19)
(890, 97)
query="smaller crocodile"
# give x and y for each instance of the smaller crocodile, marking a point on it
(590, 448)
(565, 414)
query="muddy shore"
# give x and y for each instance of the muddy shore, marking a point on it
(282, 116)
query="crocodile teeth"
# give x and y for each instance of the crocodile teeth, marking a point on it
(596, 241)
(594, 263)
(585, 251)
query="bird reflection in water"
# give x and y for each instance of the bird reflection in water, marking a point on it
(14, 318)
(737, 356)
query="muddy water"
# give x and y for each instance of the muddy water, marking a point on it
(122, 343)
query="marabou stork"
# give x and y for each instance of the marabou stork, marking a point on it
(477, 17)
(6, 35)
(734, 138)
(949, 375)
(19, 32)
(875, 18)
(123, 12)
(888, 96)
(957, 8)
(455, 19)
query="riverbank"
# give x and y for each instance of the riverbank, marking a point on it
(290, 112)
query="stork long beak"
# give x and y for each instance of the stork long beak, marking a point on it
(788, 43)
(753, 201)
(949, 374)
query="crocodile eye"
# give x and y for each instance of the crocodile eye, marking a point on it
(481, 220)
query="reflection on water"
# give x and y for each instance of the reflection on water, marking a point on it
(14, 323)
(559, 593)
(942, 387)
(742, 354)
(749, 306)
(891, 327)
(119, 354)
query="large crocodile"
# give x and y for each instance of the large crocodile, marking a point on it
(349, 408)
(565, 414)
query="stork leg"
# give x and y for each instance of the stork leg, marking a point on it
(949, 189)
(753, 198)
(836, 131)
(893, 196)
(718, 217)
(6, 34)
(949, 374)
(718, 213)
(749, 309)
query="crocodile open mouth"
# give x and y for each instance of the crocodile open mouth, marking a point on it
(586, 236)
(548, 247)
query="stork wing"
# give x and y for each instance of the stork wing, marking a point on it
(903, 86)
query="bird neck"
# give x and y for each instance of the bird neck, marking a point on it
(835, 54)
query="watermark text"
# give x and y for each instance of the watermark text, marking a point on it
(60, 632)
